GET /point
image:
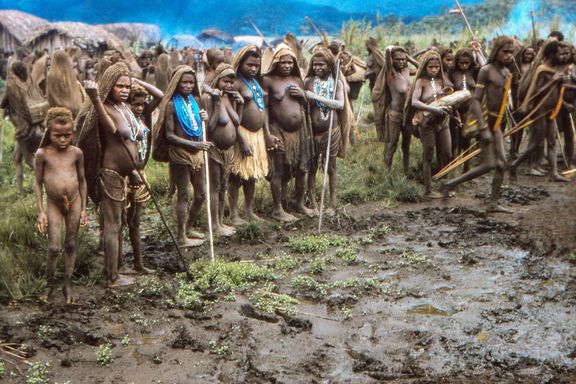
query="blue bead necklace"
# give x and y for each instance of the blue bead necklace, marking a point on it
(188, 116)
(257, 93)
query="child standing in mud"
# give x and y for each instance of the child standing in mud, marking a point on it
(60, 170)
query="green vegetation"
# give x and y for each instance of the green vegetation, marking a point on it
(317, 244)
(270, 302)
(249, 233)
(38, 373)
(104, 355)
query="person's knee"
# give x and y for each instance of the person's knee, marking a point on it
(70, 245)
(199, 197)
(53, 250)
(183, 194)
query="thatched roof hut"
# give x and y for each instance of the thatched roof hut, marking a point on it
(129, 33)
(181, 41)
(72, 34)
(215, 38)
(15, 26)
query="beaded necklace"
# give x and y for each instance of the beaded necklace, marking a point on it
(257, 93)
(325, 89)
(137, 128)
(464, 82)
(188, 114)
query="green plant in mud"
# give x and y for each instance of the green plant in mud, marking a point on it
(317, 266)
(250, 233)
(270, 302)
(2, 369)
(104, 355)
(309, 287)
(125, 341)
(151, 286)
(223, 276)
(349, 255)
(346, 312)
(38, 373)
(285, 262)
(413, 258)
(317, 244)
(218, 349)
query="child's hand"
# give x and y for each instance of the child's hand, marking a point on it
(42, 222)
(83, 219)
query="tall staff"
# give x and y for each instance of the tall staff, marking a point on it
(327, 157)
(207, 172)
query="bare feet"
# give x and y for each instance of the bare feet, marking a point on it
(433, 196)
(283, 216)
(496, 208)
(306, 211)
(191, 234)
(224, 231)
(189, 243)
(67, 291)
(445, 191)
(253, 217)
(47, 296)
(558, 178)
(535, 172)
(142, 270)
(121, 281)
(237, 220)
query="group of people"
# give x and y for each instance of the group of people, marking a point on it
(455, 98)
(269, 114)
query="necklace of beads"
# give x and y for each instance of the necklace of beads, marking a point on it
(188, 114)
(137, 128)
(464, 82)
(257, 93)
(325, 89)
(434, 89)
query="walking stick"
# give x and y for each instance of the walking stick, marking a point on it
(560, 143)
(260, 34)
(327, 157)
(208, 194)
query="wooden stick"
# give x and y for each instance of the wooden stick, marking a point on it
(327, 158)
(463, 157)
(560, 143)
(260, 33)
(207, 172)
(569, 172)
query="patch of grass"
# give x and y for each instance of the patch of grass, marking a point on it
(270, 302)
(151, 286)
(317, 244)
(38, 373)
(2, 369)
(223, 276)
(309, 287)
(250, 233)
(349, 255)
(285, 262)
(317, 266)
(413, 258)
(104, 355)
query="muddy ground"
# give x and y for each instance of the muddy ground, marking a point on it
(461, 297)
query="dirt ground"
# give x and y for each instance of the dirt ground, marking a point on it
(463, 297)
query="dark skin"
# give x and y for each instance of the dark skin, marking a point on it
(527, 59)
(224, 113)
(398, 84)
(120, 154)
(253, 120)
(320, 126)
(183, 174)
(143, 111)
(491, 84)
(544, 129)
(60, 170)
(285, 99)
(463, 70)
(430, 135)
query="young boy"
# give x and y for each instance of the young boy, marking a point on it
(60, 169)
(138, 194)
